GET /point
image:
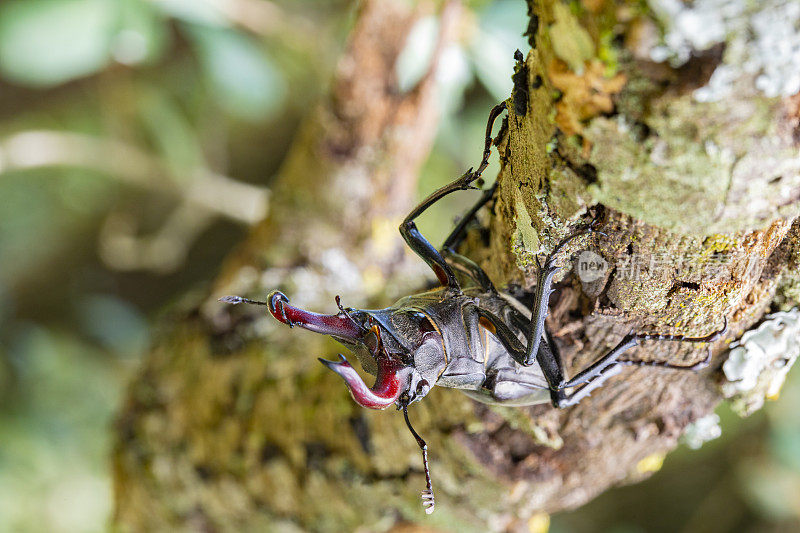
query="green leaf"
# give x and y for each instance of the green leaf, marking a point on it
(415, 58)
(47, 42)
(141, 36)
(113, 322)
(244, 80)
(172, 134)
(206, 12)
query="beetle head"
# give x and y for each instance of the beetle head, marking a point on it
(390, 344)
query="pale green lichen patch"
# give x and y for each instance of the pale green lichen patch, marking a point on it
(701, 157)
(704, 168)
(571, 43)
(657, 180)
(528, 237)
(568, 195)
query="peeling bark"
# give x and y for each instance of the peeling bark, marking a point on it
(231, 423)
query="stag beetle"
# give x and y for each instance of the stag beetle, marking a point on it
(474, 338)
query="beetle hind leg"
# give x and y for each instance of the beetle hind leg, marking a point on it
(610, 364)
(679, 338)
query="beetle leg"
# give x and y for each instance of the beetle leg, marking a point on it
(547, 355)
(471, 269)
(456, 237)
(594, 376)
(548, 359)
(602, 366)
(597, 373)
(663, 364)
(679, 338)
(408, 229)
(427, 495)
(423, 248)
(561, 399)
(454, 240)
(610, 367)
(451, 244)
(487, 144)
(544, 288)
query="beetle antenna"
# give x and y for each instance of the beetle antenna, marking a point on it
(427, 494)
(239, 300)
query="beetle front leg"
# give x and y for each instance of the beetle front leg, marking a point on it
(421, 246)
(453, 241)
(544, 288)
(456, 237)
(547, 356)
(417, 242)
(548, 359)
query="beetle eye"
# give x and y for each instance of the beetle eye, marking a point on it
(422, 321)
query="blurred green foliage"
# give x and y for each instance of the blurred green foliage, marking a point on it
(58, 397)
(112, 112)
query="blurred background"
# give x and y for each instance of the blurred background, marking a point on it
(138, 140)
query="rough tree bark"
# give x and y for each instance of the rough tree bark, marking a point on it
(232, 424)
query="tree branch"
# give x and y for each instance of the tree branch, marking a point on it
(223, 430)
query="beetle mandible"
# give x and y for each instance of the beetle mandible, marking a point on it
(474, 338)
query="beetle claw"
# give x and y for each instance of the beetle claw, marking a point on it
(428, 501)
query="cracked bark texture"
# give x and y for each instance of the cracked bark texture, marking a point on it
(232, 424)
